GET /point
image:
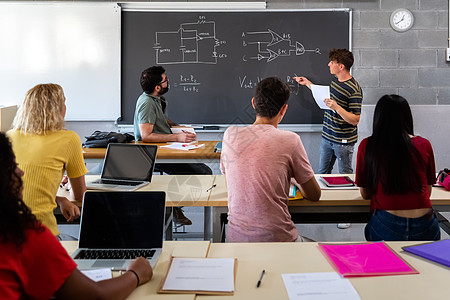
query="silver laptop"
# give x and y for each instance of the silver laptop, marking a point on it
(117, 227)
(127, 167)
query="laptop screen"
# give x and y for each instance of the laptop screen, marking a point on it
(118, 220)
(129, 162)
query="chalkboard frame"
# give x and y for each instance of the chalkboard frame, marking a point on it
(128, 109)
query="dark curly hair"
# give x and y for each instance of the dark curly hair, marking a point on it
(270, 96)
(342, 56)
(15, 216)
(151, 77)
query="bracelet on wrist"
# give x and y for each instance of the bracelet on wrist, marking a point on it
(137, 276)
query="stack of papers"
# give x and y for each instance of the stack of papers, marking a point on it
(366, 259)
(200, 276)
(183, 146)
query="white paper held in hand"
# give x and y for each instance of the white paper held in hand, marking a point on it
(320, 93)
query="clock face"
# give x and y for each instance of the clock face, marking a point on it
(402, 20)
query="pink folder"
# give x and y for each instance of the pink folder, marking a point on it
(365, 259)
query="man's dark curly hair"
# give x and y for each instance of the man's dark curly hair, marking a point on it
(15, 216)
(151, 77)
(342, 56)
(270, 96)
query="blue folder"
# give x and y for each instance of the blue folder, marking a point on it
(437, 251)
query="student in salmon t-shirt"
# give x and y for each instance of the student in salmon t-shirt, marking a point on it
(33, 263)
(259, 162)
(395, 169)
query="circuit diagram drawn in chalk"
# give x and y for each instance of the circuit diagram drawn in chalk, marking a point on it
(271, 45)
(191, 43)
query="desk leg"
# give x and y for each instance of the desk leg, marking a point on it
(216, 222)
(168, 227)
(207, 223)
(443, 222)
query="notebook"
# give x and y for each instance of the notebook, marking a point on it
(117, 227)
(365, 259)
(337, 181)
(436, 251)
(127, 167)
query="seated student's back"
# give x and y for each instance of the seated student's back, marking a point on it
(395, 169)
(259, 161)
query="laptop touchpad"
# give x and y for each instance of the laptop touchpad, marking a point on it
(116, 264)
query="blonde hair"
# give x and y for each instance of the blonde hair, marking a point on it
(41, 110)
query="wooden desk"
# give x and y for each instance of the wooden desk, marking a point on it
(180, 249)
(164, 155)
(281, 258)
(181, 190)
(334, 206)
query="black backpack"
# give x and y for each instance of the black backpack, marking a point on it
(101, 139)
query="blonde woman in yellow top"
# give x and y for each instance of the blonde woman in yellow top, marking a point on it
(44, 151)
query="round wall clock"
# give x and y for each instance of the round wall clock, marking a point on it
(402, 20)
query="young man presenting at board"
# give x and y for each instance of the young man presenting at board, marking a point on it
(340, 131)
(152, 125)
(259, 161)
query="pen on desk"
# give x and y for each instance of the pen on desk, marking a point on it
(213, 186)
(260, 278)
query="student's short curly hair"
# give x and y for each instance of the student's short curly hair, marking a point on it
(270, 96)
(41, 110)
(15, 216)
(151, 77)
(342, 56)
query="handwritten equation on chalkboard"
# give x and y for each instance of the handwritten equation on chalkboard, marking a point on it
(189, 43)
(197, 43)
(215, 59)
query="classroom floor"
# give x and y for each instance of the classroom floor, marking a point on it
(317, 232)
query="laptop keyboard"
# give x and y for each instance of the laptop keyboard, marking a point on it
(115, 254)
(119, 182)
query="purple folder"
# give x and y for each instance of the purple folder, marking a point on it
(437, 251)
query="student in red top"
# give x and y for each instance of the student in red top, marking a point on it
(33, 264)
(395, 169)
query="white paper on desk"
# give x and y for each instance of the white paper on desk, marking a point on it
(182, 129)
(320, 93)
(183, 146)
(98, 274)
(319, 286)
(201, 274)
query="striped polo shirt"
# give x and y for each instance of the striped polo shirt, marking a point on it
(348, 95)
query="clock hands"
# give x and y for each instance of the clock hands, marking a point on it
(403, 17)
